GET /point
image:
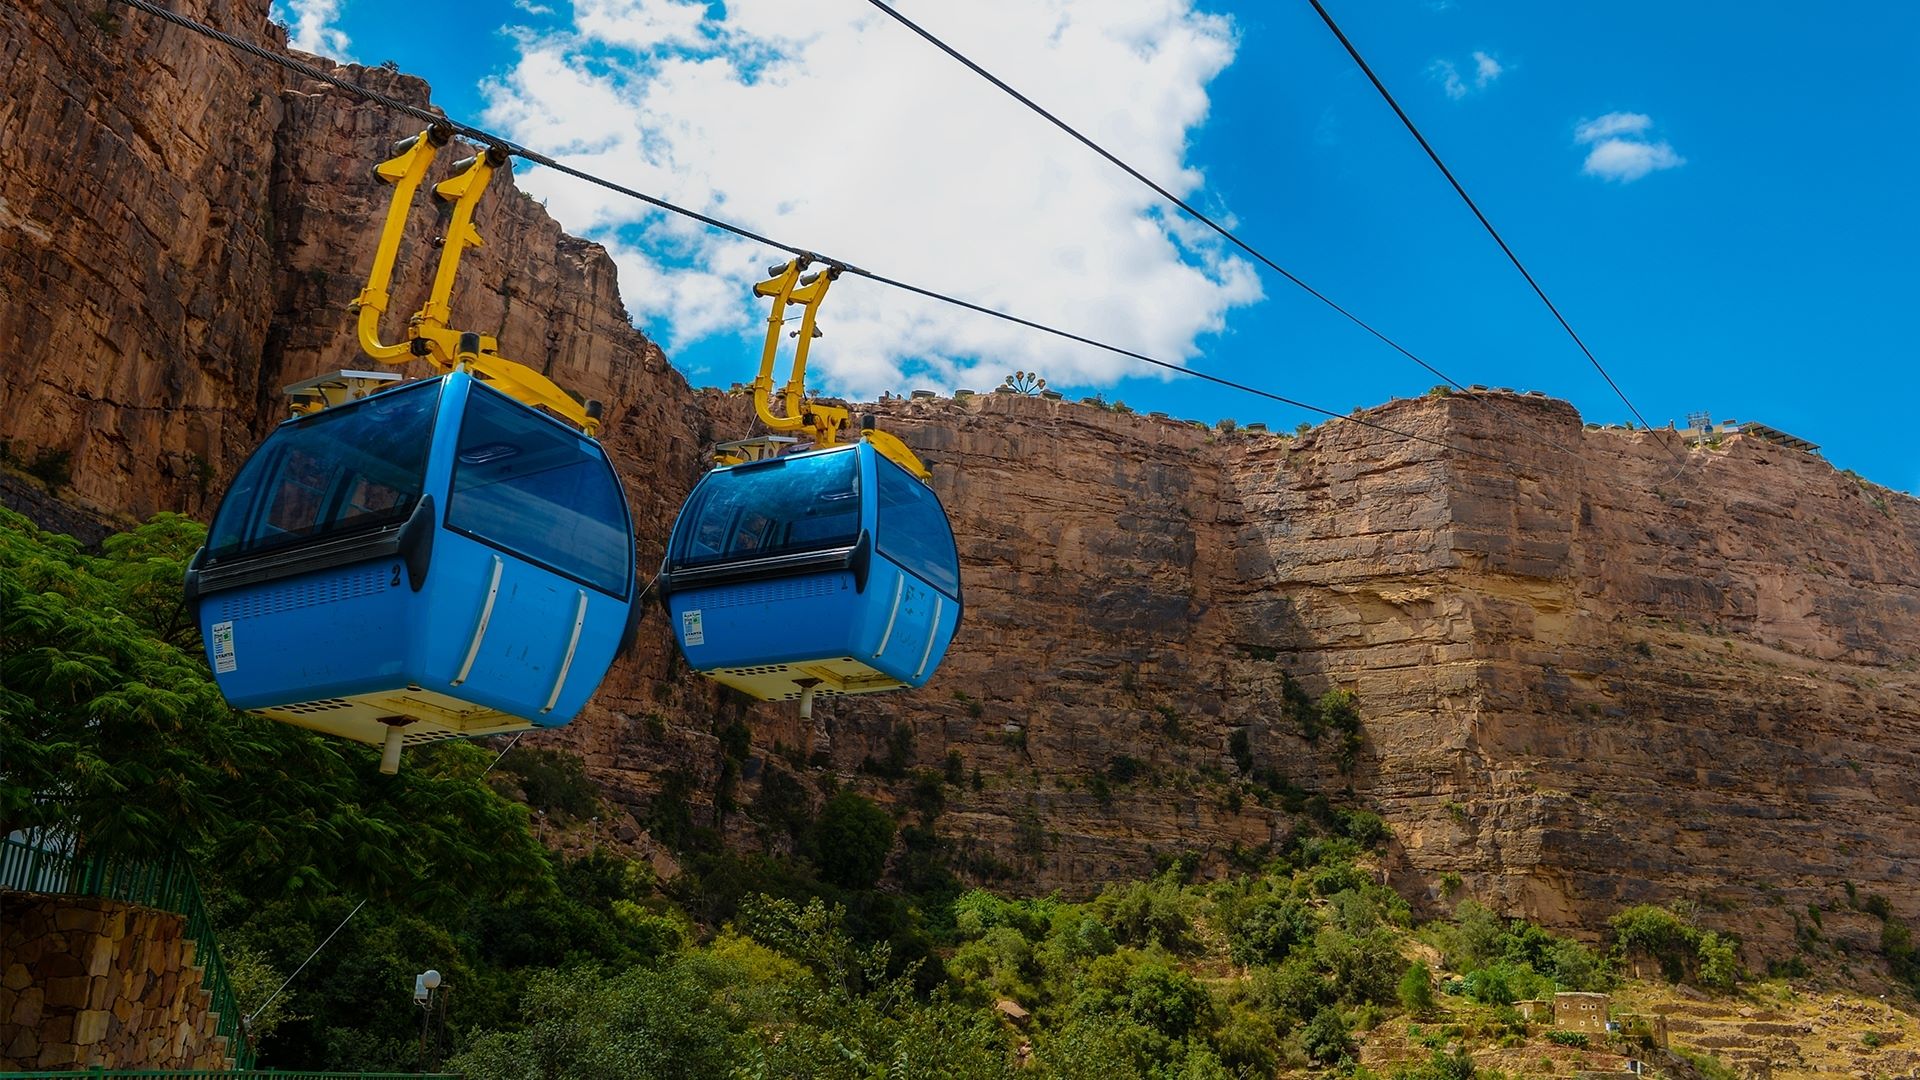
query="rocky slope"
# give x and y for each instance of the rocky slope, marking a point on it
(1591, 672)
(1591, 668)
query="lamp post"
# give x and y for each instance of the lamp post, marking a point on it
(424, 985)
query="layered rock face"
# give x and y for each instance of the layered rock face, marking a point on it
(136, 256)
(1591, 668)
(182, 227)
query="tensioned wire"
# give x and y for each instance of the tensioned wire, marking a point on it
(1175, 200)
(973, 66)
(1434, 155)
(487, 138)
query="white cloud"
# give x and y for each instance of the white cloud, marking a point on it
(640, 24)
(532, 8)
(310, 27)
(1486, 68)
(692, 303)
(1621, 149)
(1627, 160)
(1610, 125)
(846, 132)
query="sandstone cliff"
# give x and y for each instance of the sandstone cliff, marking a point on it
(1591, 673)
(1591, 669)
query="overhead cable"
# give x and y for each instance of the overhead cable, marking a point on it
(487, 138)
(1169, 196)
(1367, 69)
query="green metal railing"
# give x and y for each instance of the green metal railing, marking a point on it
(236, 1074)
(166, 884)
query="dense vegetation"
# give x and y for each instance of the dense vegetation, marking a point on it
(803, 964)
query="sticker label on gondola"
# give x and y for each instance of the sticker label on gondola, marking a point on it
(692, 630)
(223, 660)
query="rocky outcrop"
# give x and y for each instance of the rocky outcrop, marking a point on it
(1591, 667)
(182, 227)
(101, 984)
(135, 247)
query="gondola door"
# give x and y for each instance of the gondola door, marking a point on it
(535, 575)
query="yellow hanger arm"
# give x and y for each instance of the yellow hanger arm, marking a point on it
(405, 171)
(825, 423)
(428, 335)
(897, 452)
(522, 383)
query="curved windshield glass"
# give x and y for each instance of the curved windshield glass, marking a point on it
(352, 467)
(808, 502)
(525, 484)
(914, 531)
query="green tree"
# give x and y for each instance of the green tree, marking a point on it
(1295, 990)
(1089, 1047)
(1167, 1000)
(852, 838)
(1718, 964)
(681, 1020)
(1365, 967)
(1246, 1044)
(110, 734)
(1653, 931)
(1269, 929)
(1416, 989)
(551, 780)
(122, 740)
(1147, 913)
(1340, 713)
(1326, 1038)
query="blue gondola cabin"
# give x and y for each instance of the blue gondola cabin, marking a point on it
(435, 560)
(832, 571)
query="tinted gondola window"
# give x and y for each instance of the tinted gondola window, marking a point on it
(524, 483)
(914, 531)
(352, 467)
(808, 502)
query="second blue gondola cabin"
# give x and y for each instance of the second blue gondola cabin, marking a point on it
(832, 571)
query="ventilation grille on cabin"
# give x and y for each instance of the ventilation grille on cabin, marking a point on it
(366, 582)
(308, 708)
(427, 735)
(819, 692)
(774, 669)
(771, 592)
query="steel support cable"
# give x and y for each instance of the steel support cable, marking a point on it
(481, 136)
(1434, 155)
(247, 1020)
(1169, 196)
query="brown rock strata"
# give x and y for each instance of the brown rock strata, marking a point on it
(1591, 670)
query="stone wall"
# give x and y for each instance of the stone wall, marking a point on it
(93, 983)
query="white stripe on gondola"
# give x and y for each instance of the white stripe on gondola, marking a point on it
(480, 628)
(899, 586)
(932, 635)
(573, 643)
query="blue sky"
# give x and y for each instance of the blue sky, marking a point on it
(1766, 272)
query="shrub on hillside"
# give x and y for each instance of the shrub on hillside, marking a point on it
(1683, 951)
(852, 839)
